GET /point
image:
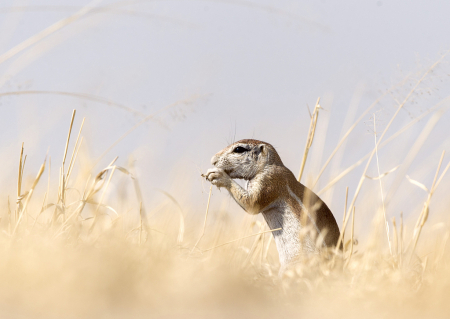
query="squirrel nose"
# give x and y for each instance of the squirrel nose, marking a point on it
(214, 160)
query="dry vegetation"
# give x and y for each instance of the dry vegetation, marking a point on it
(78, 257)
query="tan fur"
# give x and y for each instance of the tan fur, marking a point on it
(274, 191)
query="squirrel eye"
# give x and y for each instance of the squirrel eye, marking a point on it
(240, 149)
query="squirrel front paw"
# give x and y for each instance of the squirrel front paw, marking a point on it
(218, 177)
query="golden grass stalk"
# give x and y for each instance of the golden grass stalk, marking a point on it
(395, 237)
(68, 136)
(442, 175)
(384, 174)
(263, 239)
(63, 177)
(69, 171)
(418, 184)
(342, 238)
(204, 222)
(19, 179)
(401, 239)
(352, 239)
(266, 252)
(381, 185)
(19, 185)
(82, 204)
(310, 138)
(433, 188)
(140, 223)
(76, 148)
(40, 212)
(28, 197)
(9, 217)
(180, 236)
(100, 202)
(425, 211)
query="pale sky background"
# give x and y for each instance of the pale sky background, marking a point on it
(249, 70)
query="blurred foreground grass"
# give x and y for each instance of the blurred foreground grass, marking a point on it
(97, 252)
(80, 258)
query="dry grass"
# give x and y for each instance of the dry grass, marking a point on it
(78, 257)
(81, 259)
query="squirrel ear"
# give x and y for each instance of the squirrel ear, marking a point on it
(258, 150)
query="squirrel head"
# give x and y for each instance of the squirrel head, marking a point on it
(246, 158)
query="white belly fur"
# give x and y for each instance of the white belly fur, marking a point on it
(287, 240)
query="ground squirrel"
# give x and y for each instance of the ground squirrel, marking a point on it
(274, 191)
